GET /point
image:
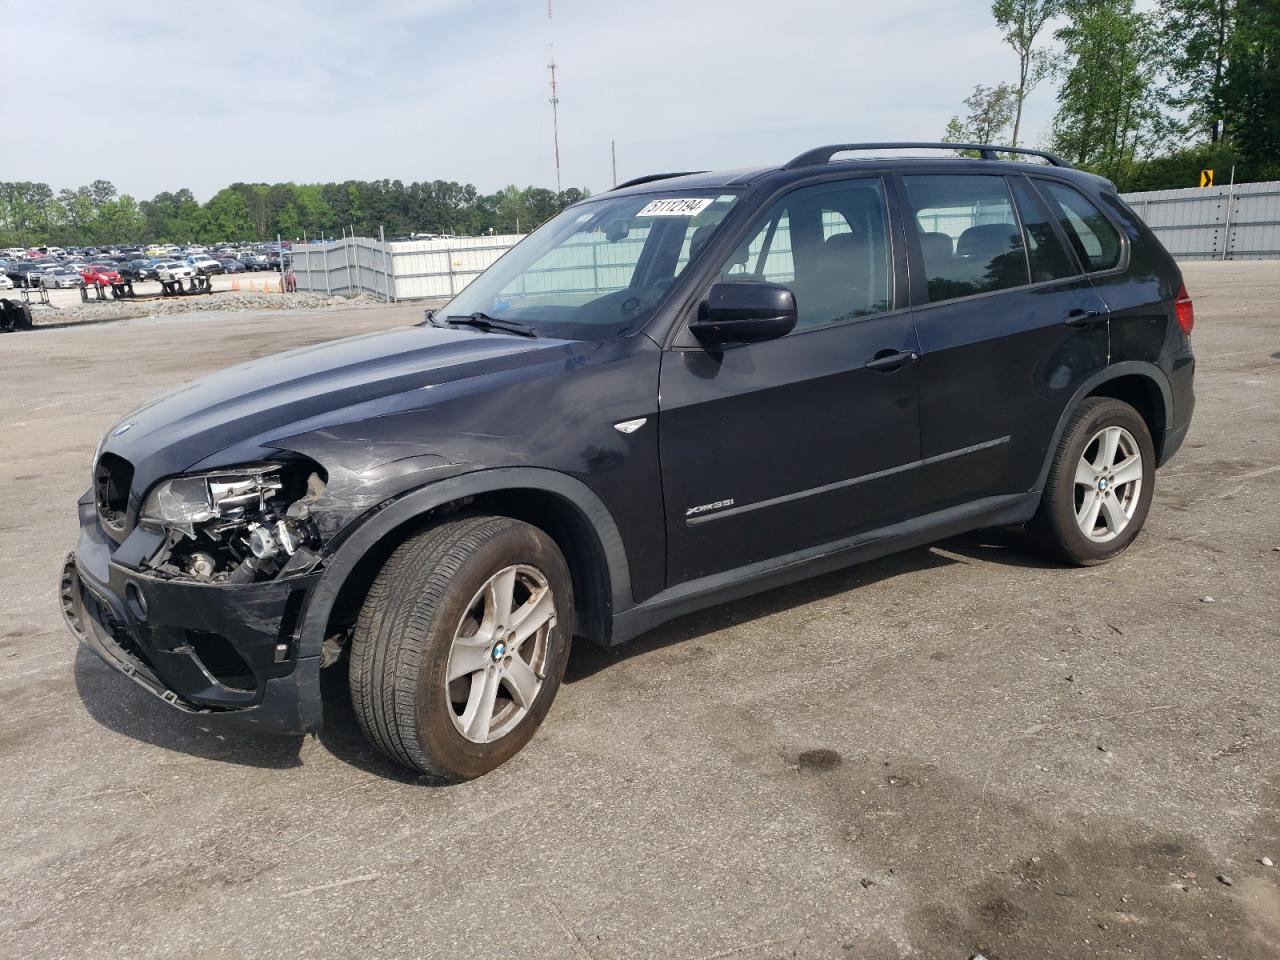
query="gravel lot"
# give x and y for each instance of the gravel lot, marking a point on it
(238, 293)
(952, 750)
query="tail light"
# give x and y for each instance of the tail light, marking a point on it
(1185, 310)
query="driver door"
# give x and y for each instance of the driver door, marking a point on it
(773, 447)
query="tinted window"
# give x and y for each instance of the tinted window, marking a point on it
(1049, 258)
(1095, 240)
(969, 235)
(828, 243)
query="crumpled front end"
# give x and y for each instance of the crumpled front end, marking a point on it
(190, 619)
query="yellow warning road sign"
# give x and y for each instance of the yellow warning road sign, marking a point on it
(1206, 178)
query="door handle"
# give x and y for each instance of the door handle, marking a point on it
(1084, 318)
(891, 359)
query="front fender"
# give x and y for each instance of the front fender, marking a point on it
(391, 514)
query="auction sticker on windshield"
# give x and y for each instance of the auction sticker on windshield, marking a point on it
(676, 207)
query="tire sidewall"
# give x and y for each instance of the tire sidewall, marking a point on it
(1082, 549)
(439, 738)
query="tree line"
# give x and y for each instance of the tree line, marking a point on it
(32, 213)
(1145, 98)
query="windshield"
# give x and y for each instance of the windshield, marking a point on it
(599, 269)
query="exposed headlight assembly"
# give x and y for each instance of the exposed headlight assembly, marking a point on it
(234, 525)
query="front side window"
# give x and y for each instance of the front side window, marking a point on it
(969, 235)
(1095, 239)
(599, 269)
(830, 244)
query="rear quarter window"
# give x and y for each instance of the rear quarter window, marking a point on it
(1096, 241)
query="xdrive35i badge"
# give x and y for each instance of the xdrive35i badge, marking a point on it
(708, 507)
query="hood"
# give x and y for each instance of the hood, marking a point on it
(198, 419)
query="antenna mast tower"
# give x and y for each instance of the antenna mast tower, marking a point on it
(555, 100)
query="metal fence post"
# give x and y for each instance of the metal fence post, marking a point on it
(1231, 192)
(327, 291)
(448, 259)
(386, 268)
(346, 256)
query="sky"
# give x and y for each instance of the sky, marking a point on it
(457, 89)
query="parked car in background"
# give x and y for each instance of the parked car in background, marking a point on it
(203, 263)
(167, 270)
(5, 282)
(231, 265)
(16, 271)
(254, 261)
(35, 274)
(101, 275)
(60, 277)
(137, 269)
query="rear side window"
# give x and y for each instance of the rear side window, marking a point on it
(1095, 239)
(969, 235)
(1049, 258)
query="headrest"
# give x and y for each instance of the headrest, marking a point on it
(987, 240)
(935, 246)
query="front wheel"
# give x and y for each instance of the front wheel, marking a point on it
(1100, 484)
(461, 645)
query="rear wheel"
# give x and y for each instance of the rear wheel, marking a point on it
(461, 644)
(1100, 484)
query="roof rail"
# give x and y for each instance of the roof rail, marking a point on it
(656, 176)
(986, 151)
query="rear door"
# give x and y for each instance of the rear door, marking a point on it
(768, 448)
(1009, 327)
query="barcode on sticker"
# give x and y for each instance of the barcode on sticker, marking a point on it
(676, 207)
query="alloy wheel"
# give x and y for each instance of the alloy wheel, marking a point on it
(1108, 484)
(497, 660)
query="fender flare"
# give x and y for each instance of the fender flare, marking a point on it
(416, 503)
(1127, 368)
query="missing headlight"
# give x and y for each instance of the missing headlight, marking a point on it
(236, 525)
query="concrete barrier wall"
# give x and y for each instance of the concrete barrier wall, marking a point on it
(1217, 223)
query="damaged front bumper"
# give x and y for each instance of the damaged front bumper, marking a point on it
(205, 648)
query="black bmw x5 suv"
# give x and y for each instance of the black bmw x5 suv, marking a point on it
(689, 388)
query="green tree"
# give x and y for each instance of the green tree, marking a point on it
(990, 111)
(1110, 102)
(120, 221)
(1201, 34)
(1021, 23)
(1252, 90)
(79, 212)
(226, 216)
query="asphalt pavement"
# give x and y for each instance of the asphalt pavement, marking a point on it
(957, 749)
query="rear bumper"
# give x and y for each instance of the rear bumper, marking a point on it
(201, 648)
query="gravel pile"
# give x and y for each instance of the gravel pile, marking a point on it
(214, 302)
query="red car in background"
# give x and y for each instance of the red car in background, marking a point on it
(101, 275)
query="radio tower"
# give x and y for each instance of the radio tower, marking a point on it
(555, 100)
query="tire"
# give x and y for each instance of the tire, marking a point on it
(1090, 523)
(421, 613)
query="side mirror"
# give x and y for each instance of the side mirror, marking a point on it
(745, 312)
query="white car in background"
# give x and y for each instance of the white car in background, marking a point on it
(168, 270)
(5, 282)
(203, 263)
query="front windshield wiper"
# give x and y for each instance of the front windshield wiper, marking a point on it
(482, 321)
